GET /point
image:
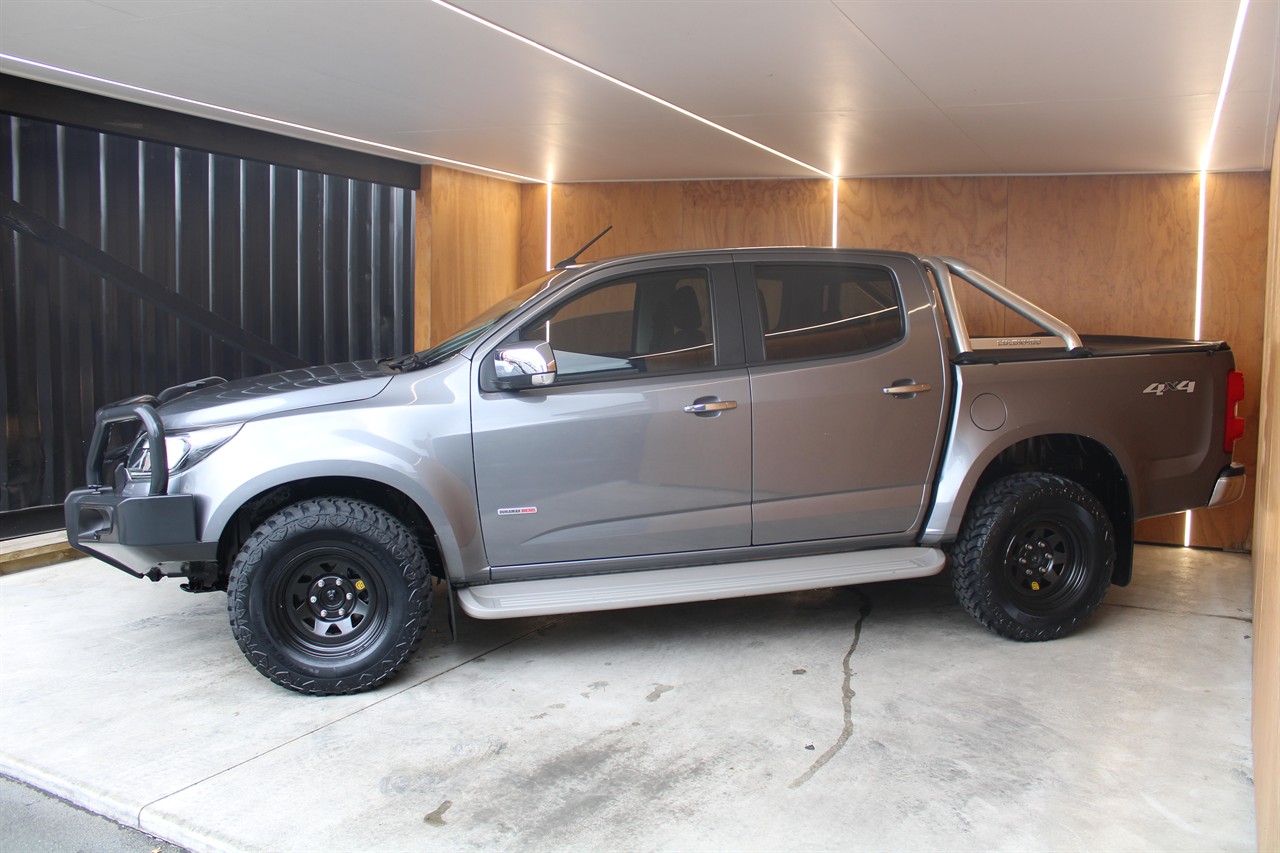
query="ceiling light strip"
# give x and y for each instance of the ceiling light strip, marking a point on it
(421, 155)
(1241, 12)
(444, 4)
(1205, 158)
(548, 187)
(835, 212)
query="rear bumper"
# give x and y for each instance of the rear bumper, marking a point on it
(1230, 485)
(135, 533)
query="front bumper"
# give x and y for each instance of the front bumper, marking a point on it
(135, 533)
(1230, 485)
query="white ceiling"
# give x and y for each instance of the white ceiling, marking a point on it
(850, 87)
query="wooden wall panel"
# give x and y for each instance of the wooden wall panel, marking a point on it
(1112, 254)
(1266, 554)
(645, 218)
(966, 218)
(533, 231)
(422, 284)
(475, 248)
(668, 216)
(756, 213)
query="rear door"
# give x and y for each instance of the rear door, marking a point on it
(642, 445)
(847, 390)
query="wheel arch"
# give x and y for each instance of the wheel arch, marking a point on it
(252, 512)
(1086, 461)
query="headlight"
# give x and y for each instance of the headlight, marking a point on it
(183, 449)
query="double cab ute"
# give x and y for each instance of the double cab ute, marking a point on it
(665, 428)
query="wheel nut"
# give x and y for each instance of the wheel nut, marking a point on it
(350, 596)
(320, 582)
(314, 599)
(342, 613)
(1028, 571)
(324, 614)
(338, 581)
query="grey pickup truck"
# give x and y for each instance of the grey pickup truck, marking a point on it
(665, 428)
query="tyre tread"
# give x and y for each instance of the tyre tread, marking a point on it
(970, 576)
(336, 513)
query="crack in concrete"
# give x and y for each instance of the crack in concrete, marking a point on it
(846, 695)
(1150, 609)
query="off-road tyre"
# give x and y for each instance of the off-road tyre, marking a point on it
(329, 596)
(1034, 557)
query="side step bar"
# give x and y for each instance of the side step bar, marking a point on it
(695, 583)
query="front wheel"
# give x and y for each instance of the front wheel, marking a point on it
(329, 596)
(1034, 556)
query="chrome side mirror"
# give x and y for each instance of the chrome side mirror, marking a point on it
(527, 364)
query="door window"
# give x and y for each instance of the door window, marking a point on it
(652, 323)
(822, 310)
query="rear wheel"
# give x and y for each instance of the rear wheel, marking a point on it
(1034, 557)
(329, 596)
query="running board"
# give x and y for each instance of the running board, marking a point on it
(695, 583)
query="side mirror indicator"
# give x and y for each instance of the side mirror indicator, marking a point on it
(528, 364)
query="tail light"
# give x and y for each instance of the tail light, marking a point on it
(1234, 425)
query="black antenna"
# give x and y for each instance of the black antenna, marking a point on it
(573, 259)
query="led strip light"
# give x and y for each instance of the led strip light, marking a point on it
(1197, 328)
(582, 66)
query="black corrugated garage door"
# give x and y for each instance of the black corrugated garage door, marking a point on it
(120, 258)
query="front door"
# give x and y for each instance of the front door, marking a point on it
(642, 444)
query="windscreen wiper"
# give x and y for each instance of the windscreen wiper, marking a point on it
(401, 363)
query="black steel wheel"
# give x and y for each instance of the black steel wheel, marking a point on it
(329, 596)
(1034, 557)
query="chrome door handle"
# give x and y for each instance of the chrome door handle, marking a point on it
(902, 390)
(701, 408)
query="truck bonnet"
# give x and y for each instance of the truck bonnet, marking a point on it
(246, 399)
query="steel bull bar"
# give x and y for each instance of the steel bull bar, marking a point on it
(132, 532)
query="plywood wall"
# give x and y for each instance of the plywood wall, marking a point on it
(666, 216)
(467, 242)
(965, 218)
(1108, 254)
(1266, 555)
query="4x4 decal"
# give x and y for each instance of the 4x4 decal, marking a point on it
(1158, 388)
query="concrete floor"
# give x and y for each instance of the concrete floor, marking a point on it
(866, 718)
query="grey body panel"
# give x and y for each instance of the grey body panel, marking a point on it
(414, 437)
(833, 455)
(613, 469)
(1169, 445)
